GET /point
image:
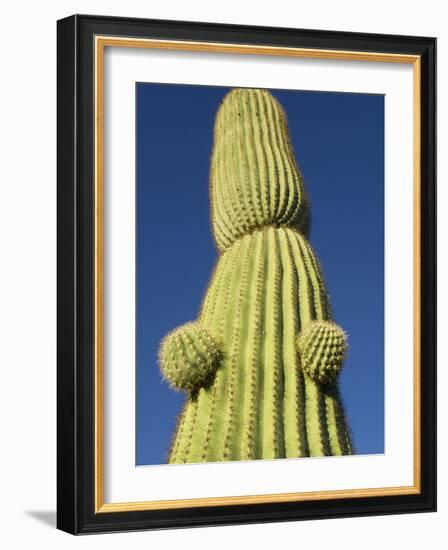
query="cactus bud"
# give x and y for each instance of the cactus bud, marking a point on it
(189, 356)
(322, 346)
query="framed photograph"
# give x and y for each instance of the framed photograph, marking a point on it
(246, 274)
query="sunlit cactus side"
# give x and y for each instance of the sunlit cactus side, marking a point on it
(260, 365)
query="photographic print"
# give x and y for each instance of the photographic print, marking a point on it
(246, 274)
(259, 272)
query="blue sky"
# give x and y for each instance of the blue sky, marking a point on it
(338, 139)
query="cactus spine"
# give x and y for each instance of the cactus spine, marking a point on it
(260, 364)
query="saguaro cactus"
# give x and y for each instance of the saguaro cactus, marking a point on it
(260, 364)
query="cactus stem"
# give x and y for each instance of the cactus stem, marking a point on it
(260, 364)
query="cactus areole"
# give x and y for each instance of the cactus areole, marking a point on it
(260, 364)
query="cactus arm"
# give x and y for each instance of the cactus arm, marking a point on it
(322, 346)
(189, 357)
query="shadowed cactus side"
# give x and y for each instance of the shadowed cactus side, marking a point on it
(260, 364)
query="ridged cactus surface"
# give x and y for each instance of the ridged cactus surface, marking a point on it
(254, 177)
(260, 364)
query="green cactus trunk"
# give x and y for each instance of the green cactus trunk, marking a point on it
(260, 364)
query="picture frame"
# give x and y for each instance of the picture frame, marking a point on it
(82, 208)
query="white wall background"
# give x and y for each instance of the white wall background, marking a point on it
(28, 271)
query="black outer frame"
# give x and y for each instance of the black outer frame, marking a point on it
(75, 265)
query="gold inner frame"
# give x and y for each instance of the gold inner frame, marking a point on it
(101, 42)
